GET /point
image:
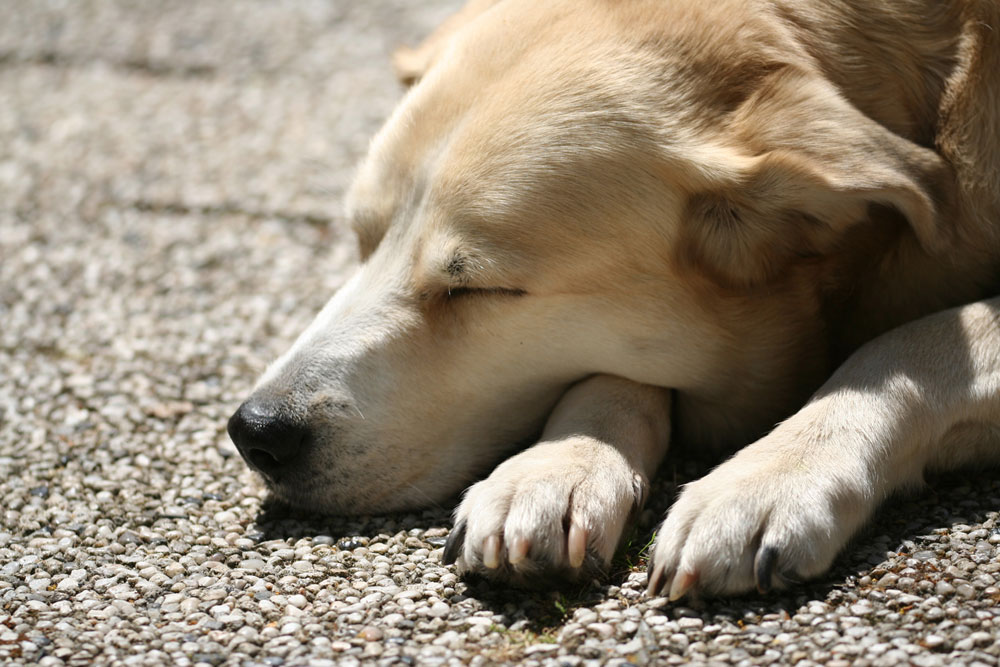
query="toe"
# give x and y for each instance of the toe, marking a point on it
(657, 578)
(683, 582)
(518, 550)
(576, 544)
(491, 552)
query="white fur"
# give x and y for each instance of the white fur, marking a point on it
(899, 406)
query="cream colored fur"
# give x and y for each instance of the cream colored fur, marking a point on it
(597, 225)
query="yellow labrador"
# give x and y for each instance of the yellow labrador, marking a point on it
(594, 225)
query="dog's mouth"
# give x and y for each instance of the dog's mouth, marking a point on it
(317, 484)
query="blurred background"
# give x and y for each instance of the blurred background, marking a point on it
(247, 104)
(171, 176)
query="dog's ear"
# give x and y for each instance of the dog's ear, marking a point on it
(805, 167)
(412, 63)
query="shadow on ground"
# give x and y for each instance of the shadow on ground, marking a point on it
(905, 527)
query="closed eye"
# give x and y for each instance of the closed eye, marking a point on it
(461, 292)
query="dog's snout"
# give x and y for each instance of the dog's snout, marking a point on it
(268, 439)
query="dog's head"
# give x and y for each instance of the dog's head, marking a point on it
(569, 191)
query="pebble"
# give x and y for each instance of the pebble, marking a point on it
(540, 648)
(37, 585)
(252, 564)
(439, 610)
(604, 630)
(943, 588)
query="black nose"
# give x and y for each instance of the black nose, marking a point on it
(267, 439)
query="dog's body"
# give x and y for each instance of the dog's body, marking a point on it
(606, 222)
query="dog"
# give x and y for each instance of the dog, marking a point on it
(593, 227)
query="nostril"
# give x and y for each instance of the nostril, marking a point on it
(258, 458)
(266, 436)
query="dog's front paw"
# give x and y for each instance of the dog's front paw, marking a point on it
(768, 517)
(557, 510)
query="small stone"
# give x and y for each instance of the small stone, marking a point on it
(349, 544)
(371, 633)
(934, 614)
(541, 648)
(981, 639)
(966, 591)
(38, 585)
(69, 584)
(252, 565)
(128, 537)
(887, 581)
(634, 647)
(862, 608)
(439, 610)
(943, 588)
(603, 630)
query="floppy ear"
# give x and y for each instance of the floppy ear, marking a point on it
(412, 63)
(808, 166)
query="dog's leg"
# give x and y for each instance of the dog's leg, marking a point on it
(560, 507)
(926, 395)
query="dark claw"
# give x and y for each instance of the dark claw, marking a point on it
(453, 547)
(767, 560)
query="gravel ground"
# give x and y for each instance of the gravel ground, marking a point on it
(169, 183)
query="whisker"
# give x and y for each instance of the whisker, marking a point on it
(433, 503)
